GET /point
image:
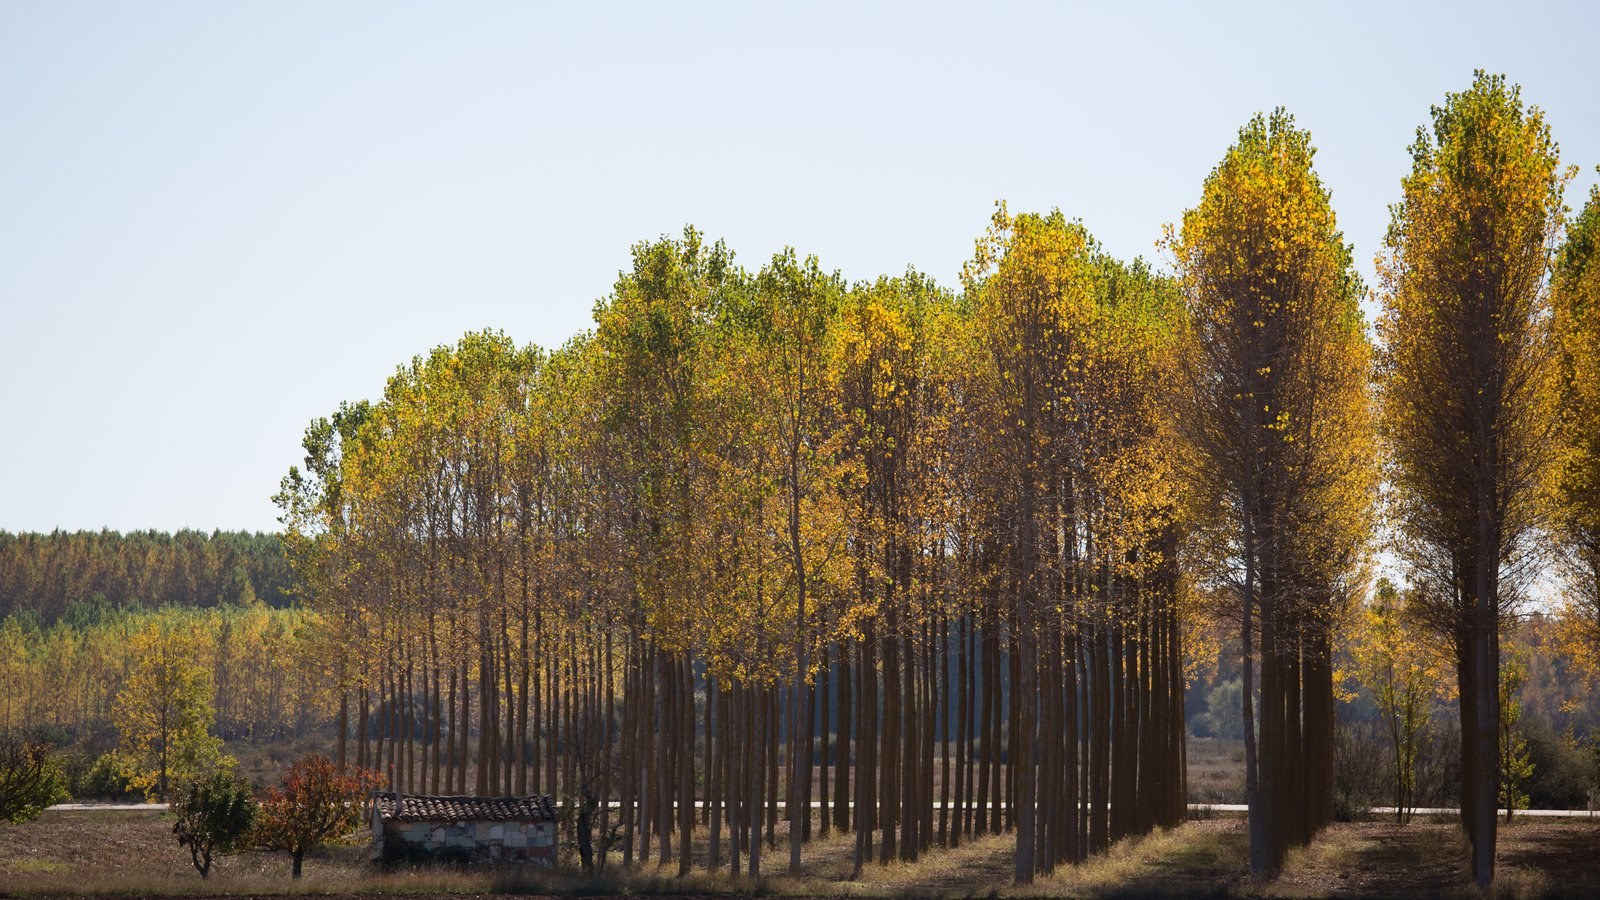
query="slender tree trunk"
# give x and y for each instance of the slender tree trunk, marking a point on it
(987, 728)
(910, 815)
(944, 711)
(716, 750)
(808, 754)
(774, 768)
(344, 724)
(608, 754)
(1486, 703)
(825, 736)
(630, 762)
(465, 729)
(963, 746)
(1260, 866)
(758, 745)
(1099, 742)
(1117, 687)
(686, 765)
(889, 783)
(845, 756)
(362, 759)
(733, 769)
(663, 792)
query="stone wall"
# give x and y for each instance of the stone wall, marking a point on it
(470, 842)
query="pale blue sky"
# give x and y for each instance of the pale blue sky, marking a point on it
(217, 220)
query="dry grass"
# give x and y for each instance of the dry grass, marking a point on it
(133, 853)
(1215, 770)
(975, 868)
(1195, 859)
(1429, 859)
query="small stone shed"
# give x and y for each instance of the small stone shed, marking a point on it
(415, 828)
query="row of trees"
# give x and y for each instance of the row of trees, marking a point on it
(80, 576)
(66, 678)
(764, 539)
(757, 530)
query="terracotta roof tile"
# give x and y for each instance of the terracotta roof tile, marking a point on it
(423, 808)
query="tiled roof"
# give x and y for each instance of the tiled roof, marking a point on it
(422, 808)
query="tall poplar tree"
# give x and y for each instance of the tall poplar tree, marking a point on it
(1467, 388)
(651, 335)
(1576, 292)
(1275, 420)
(1034, 290)
(796, 304)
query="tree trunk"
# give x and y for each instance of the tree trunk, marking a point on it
(1259, 864)
(663, 769)
(1486, 724)
(686, 765)
(825, 739)
(845, 719)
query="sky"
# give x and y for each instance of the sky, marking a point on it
(220, 220)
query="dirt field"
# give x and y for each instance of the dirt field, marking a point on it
(98, 853)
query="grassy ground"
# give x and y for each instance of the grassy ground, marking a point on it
(1216, 770)
(89, 853)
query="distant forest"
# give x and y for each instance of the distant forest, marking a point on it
(79, 575)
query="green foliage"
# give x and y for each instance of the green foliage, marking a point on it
(84, 575)
(1563, 767)
(102, 778)
(214, 815)
(1465, 303)
(1223, 716)
(30, 778)
(67, 675)
(1576, 295)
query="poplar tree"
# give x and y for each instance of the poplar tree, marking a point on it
(796, 303)
(1034, 290)
(1468, 399)
(1576, 294)
(651, 334)
(1275, 419)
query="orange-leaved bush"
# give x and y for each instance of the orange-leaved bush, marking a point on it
(314, 803)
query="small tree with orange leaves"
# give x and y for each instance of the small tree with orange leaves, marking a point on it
(314, 803)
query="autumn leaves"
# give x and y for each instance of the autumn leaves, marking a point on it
(1276, 432)
(1469, 381)
(937, 550)
(1470, 390)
